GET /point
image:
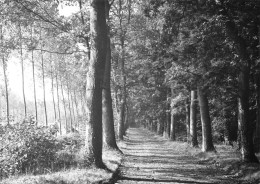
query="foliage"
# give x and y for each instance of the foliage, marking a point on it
(27, 148)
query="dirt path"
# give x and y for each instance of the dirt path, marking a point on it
(152, 159)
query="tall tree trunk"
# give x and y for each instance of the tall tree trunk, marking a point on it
(247, 145)
(70, 111)
(82, 103)
(43, 80)
(64, 105)
(77, 108)
(123, 32)
(126, 123)
(187, 115)
(58, 103)
(173, 124)
(193, 118)
(6, 92)
(167, 125)
(207, 143)
(257, 132)
(109, 139)
(34, 83)
(95, 76)
(159, 127)
(6, 81)
(73, 110)
(22, 65)
(52, 92)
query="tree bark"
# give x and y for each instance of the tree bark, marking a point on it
(187, 111)
(207, 143)
(193, 118)
(173, 125)
(6, 92)
(257, 132)
(159, 127)
(73, 109)
(77, 108)
(247, 146)
(64, 106)
(52, 92)
(95, 76)
(70, 111)
(43, 81)
(34, 84)
(109, 139)
(22, 65)
(58, 103)
(5, 81)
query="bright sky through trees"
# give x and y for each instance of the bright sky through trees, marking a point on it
(14, 69)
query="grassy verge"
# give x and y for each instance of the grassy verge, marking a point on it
(111, 158)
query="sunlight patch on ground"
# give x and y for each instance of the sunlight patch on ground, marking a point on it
(150, 158)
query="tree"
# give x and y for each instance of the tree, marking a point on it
(95, 77)
(43, 79)
(193, 119)
(107, 109)
(33, 73)
(207, 143)
(22, 67)
(242, 47)
(5, 76)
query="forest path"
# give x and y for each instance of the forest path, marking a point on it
(150, 158)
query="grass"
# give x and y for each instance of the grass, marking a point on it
(112, 160)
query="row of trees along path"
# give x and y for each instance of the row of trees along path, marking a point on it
(167, 59)
(150, 158)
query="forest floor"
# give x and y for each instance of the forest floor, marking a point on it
(150, 158)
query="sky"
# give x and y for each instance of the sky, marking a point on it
(14, 71)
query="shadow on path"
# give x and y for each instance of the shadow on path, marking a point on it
(152, 159)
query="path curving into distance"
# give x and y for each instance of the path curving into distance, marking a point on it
(150, 158)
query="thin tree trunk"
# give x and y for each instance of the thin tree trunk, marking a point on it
(64, 106)
(58, 103)
(22, 65)
(70, 111)
(159, 127)
(73, 110)
(173, 124)
(6, 92)
(193, 118)
(187, 114)
(207, 143)
(6, 82)
(109, 139)
(95, 76)
(52, 91)
(77, 108)
(82, 104)
(126, 123)
(34, 83)
(43, 84)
